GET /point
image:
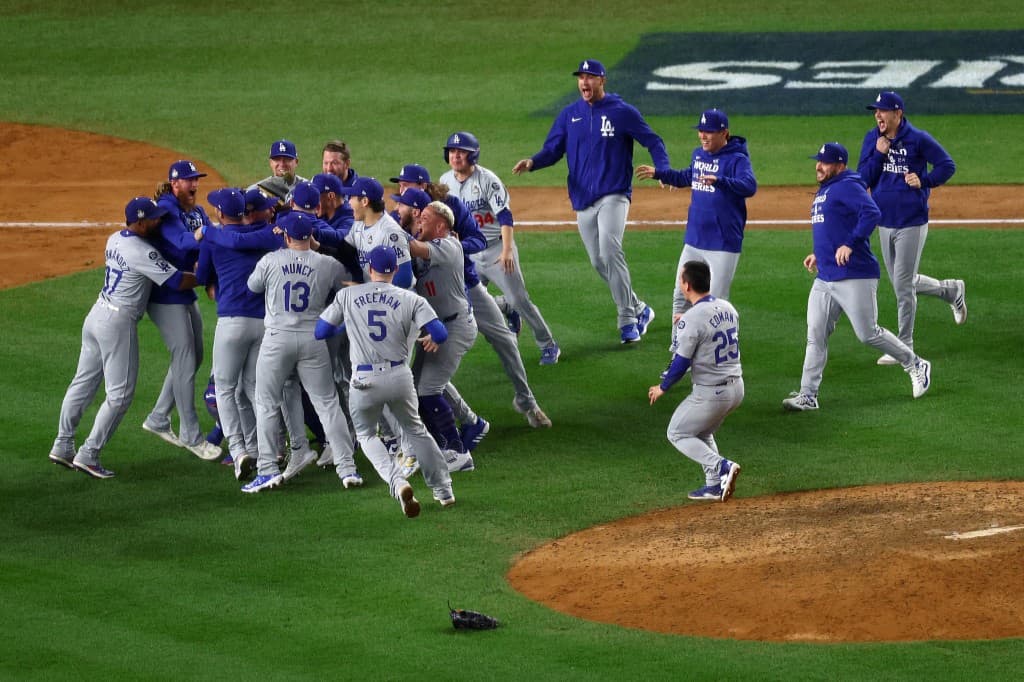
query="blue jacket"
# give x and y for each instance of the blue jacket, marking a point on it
(912, 151)
(718, 212)
(230, 269)
(843, 213)
(176, 241)
(597, 143)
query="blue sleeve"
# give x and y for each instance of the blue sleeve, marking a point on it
(505, 217)
(554, 145)
(438, 332)
(325, 330)
(741, 181)
(869, 167)
(677, 178)
(868, 213)
(174, 281)
(261, 240)
(472, 239)
(174, 232)
(403, 278)
(205, 269)
(676, 369)
(942, 163)
(329, 235)
(642, 133)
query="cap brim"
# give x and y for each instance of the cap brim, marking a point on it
(396, 180)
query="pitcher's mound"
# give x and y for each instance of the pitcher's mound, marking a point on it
(893, 562)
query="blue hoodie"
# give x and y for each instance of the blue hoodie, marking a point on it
(597, 142)
(843, 213)
(230, 269)
(912, 151)
(718, 212)
(178, 245)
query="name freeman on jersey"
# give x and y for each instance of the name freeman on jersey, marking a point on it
(378, 298)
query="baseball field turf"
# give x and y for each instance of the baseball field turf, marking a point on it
(168, 572)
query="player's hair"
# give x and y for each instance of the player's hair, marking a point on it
(162, 188)
(698, 275)
(441, 209)
(437, 191)
(338, 146)
(377, 205)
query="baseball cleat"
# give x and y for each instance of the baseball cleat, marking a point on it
(708, 492)
(352, 480)
(729, 471)
(444, 496)
(472, 434)
(410, 505)
(94, 470)
(263, 483)
(206, 451)
(534, 416)
(800, 402)
(245, 465)
(921, 377)
(299, 461)
(458, 461)
(887, 360)
(409, 466)
(550, 355)
(630, 333)
(326, 459)
(644, 319)
(959, 305)
(168, 435)
(61, 460)
(515, 322)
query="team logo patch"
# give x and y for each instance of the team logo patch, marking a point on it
(154, 256)
(393, 237)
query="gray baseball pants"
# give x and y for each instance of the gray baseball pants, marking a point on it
(694, 423)
(602, 226)
(857, 298)
(514, 288)
(181, 327)
(723, 269)
(236, 347)
(491, 323)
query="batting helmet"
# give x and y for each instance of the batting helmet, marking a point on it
(465, 141)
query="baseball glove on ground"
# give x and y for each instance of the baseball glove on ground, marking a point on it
(471, 620)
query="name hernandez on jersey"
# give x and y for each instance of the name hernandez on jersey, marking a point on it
(132, 267)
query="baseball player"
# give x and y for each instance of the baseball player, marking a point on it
(284, 159)
(110, 338)
(894, 160)
(721, 180)
(236, 341)
(843, 215)
(486, 196)
(489, 318)
(707, 343)
(595, 134)
(337, 161)
(438, 267)
(380, 319)
(295, 283)
(176, 313)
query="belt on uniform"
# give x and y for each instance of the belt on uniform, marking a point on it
(450, 318)
(378, 366)
(109, 306)
(726, 382)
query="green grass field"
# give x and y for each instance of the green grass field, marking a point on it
(168, 572)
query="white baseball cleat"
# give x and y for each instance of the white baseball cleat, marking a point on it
(800, 402)
(299, 461)
(534, 416)
(959, 305)
(326, 459)
(205, 450)
(921, 377)
(730, 471)
(458, 461)
(887, 360)
(167, 435)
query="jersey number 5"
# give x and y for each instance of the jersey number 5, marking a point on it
(375, 321)
(728, 347)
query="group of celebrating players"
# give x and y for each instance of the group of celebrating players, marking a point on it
(322, 294)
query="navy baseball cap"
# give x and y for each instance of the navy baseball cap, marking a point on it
(141, 208)
(414, 197)
(229, 200)
(383, 259)
(591, 66)
(887, 101)
(712, 121)
(283, 148)
(184, 170)
(412, 172)
(256, 200)
(325, 182)
(831, 152)
(365, 187)
(296, 224)
(306, 196)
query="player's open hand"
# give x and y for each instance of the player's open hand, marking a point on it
(522, 166)
(644, 172)
(654, 392)
(811, 263)
(428, 343)
(508, 263)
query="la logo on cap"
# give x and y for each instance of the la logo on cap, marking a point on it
(141, 214)
(455, 138)
(586, 65)
(822, 150)
(281, 147)
(703, 118)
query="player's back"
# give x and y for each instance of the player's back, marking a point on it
(296, 285)
(441, 279)
(710, 338)
(380, 320)
(133, 265)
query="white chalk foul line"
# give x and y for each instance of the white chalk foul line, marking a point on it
(985, 532)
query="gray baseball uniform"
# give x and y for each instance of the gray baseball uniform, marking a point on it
(380, 319)
(602, 226)
(708, 336)
(486, 196)
(295, 285)
(110, 345)
(384, 232)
